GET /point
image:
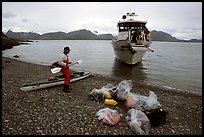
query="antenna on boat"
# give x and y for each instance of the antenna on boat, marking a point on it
(131, 15)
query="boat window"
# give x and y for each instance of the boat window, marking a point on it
(125, 26)
(123, 29)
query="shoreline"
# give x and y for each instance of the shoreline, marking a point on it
(170, 89)
(50, 111)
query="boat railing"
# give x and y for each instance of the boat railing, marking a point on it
(122, 36)
(139, 37)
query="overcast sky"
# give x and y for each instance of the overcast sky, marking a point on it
(182, 20)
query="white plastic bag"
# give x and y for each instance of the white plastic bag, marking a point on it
(109, 116)
(110, 90)
(96, 94)
(152, 101)
(138, 121)
(146, 102)
(109, 87)
(123, 89)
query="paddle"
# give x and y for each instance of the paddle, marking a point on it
(150, 49)
(57, 69)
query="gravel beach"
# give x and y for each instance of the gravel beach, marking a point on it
(52, 112)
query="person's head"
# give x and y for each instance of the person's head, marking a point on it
(66, 50)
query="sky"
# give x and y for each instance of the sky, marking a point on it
(182, 20)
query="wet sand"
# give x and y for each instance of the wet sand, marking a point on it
(52, 112)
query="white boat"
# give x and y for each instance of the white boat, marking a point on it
(133, 40)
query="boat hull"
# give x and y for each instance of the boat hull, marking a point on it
(127, 52)
(46, 83)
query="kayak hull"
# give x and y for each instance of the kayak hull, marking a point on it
(55, 82)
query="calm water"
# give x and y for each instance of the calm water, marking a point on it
(173, 64)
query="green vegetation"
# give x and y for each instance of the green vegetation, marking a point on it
(8, 43)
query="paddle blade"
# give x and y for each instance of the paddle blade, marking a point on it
(79, 62)
(55, 70)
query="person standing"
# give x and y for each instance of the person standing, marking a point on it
(63, 61)
(147, 33)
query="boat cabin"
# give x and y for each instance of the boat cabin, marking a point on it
(130, 29)
(125, 26)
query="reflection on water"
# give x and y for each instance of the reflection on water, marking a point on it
(132, 72)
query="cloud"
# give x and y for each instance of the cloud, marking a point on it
(8, 15)
(43, 17)
(188, 33)
(103, 27)
(24, 20)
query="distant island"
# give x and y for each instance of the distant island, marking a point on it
(163, 36)
(11, 38)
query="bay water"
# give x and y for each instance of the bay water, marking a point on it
(174, 65)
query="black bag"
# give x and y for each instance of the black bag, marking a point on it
(55, 64)
(156, 116)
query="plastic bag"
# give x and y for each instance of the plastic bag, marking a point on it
(109, 116)
(107, 91)
(123, 89)
(109, 87)
(138, 121)
(130, 102)
(146, 102)
(96, 94)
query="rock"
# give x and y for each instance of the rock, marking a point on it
(16, 56)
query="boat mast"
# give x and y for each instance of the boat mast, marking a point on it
(131, 15)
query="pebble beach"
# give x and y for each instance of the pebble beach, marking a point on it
(52, 112)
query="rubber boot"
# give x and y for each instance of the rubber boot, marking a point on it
(66, 88)
(69, 88)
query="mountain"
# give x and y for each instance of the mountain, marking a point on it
(84, 34)
(4, 35)
(23, 35)
(162, 36)
(105, 36)
(53, 36)
(191, 40)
